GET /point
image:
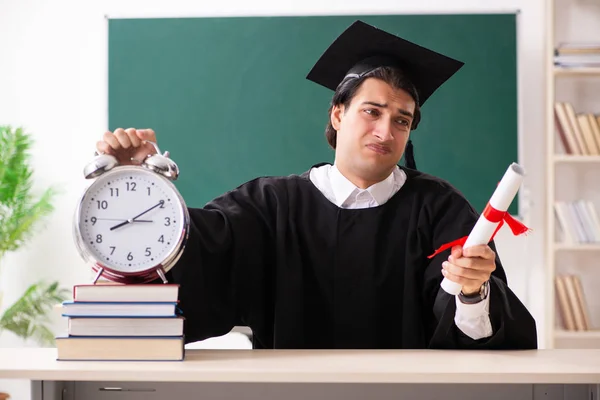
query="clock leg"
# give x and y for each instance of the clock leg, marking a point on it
(161, 273)
(100, 271)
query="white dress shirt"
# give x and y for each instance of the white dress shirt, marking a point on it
(471, 319)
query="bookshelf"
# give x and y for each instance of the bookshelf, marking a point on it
(573, 175)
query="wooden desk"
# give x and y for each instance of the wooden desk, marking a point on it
(347, 375)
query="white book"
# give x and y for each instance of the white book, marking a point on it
(125, 326)
(130, 292)
(115, 309)
(586, 221)
(595, 221)
(565, 218)
(574, 215)
(565, 232)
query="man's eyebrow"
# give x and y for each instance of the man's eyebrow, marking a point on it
(384, 105)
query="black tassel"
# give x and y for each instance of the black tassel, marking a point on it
(409, 156)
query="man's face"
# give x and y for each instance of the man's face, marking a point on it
(373, 130)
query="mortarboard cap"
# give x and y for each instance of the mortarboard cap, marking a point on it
(362, 47)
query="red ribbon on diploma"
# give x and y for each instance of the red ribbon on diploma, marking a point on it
(492, 215)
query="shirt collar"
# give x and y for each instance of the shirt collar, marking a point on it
(343, 188)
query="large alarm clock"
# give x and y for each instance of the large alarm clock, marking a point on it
(131, 223)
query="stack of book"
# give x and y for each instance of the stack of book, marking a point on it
(577, 55)
(122, 323)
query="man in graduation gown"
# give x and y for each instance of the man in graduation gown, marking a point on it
(338, 257)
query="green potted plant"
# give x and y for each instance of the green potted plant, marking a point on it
(20, 211)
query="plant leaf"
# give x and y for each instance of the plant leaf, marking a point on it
(28, 316)
(19, 209)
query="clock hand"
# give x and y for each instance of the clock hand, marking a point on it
(139, 215)
(121, 219)
(120, 225)
(160, 203)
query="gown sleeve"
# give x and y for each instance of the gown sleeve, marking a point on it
(223, 272)
(512, 324)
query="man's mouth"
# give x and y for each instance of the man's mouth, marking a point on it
(379, 149)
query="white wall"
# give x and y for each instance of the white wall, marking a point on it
(53, 82)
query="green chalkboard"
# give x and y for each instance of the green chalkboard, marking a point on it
(229, 100)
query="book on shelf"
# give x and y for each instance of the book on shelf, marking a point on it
(572, 305)
(578, 133)
(577, 221)
(577, 55)
(122, 322)
(566, 48)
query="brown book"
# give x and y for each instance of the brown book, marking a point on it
(565, 310)
(579, 51)
(565, 131)
(588, 134)
(595, 125)
(571, 116)
(578, 48)
(574, 302)
(582, 303)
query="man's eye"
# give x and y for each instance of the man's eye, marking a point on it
(402, 122)
(372, 112)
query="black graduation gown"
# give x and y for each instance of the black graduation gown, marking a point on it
(277, 256)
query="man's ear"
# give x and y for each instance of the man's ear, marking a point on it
(336, 116)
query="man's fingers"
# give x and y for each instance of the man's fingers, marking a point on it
(133, 137)
(104, 148)
(149, 135)
(123, 138)
(473, 263)
(457, 251)
(483, 251)
(462, 281)
(146, 134)
(112, 141)
(466, 273)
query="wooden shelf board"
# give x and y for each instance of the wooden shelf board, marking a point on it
(577, 246)
(567, 158)
(566, 71)
(563, 334)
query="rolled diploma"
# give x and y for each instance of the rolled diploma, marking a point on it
(483, 230)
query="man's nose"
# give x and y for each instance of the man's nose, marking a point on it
(383, 130)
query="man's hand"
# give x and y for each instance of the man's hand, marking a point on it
(127, 144)
(470, 267)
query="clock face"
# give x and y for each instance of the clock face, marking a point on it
(131, 219)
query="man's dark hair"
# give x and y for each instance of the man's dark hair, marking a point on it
(348, 87)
